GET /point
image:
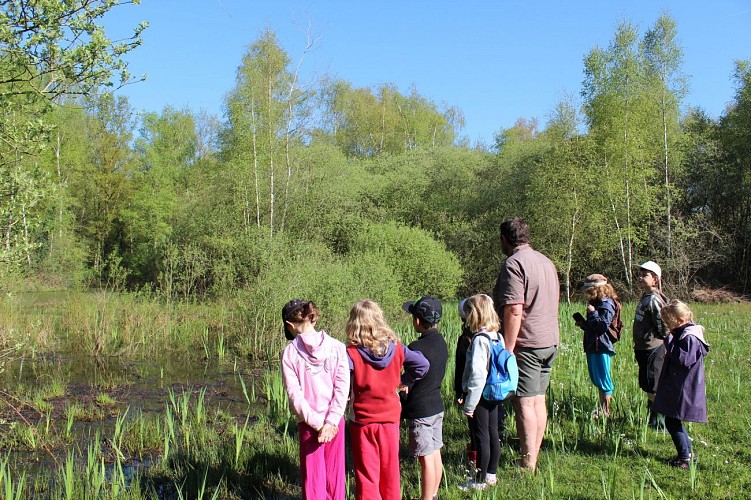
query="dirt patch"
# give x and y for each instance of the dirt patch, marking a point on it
(716, 296)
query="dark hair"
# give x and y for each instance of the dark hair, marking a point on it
(300, 310)
(516, 231)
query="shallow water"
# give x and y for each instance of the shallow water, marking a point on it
(109, 388)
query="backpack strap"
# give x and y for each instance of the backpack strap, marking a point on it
(484, 334)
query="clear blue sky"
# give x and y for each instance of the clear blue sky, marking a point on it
(497, 61)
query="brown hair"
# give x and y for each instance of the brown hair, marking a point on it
(516, 231)
(481, 313)
(308, 311)
(367, 327)
(600, 292)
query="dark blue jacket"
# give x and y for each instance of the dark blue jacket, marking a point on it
(424, 397)
(596, 338)
(682, 391)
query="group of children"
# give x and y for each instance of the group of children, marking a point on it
(384, 381)
(373, 371)
(668, 347)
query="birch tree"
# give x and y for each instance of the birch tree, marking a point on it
(664, 57)
(48, 50)
(618, 107)
(266, 113)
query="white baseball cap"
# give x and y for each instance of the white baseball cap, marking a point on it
(652, 267)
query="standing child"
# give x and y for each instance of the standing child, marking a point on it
(484, 323)
(316, 376)
(460, 360)
(649, 332)
(682, 393)
(376, 358)
(598, 345)
(423, 404)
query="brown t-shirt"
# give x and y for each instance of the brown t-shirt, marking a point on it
(530, 278)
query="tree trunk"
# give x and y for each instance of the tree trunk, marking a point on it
(255, 163)
(271, 165)
(667, 177)
(570, 255)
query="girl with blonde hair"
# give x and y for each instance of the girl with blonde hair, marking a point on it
(483, 321)
(376, 358)
(682, 392)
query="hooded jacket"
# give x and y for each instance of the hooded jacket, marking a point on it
(682, 391)
(316, 376)
(375, 380)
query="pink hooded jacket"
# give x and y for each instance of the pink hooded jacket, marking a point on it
(315, 371)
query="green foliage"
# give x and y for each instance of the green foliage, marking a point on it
(290, 269)
(368, 122)
(422, 265)
(193, 209)
(48, 50)
(264, 111)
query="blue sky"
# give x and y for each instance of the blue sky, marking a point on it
(497, 61)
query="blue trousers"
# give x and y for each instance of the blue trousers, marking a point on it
(598, 365)
(680, 437)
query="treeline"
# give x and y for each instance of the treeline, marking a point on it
(325, 191)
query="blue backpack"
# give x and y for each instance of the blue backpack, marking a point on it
(503, 373)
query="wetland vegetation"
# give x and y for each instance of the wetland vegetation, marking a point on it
(145, 257)
(200, 416)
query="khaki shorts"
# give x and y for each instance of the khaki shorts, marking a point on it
(425, 435)
(534, 369)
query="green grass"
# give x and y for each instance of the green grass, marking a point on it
(193, 447)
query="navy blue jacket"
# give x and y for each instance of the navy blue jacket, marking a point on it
(596, 338)
(424, 397)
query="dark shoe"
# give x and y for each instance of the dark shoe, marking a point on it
(682, 463)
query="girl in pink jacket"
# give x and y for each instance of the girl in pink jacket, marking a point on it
(316, 375)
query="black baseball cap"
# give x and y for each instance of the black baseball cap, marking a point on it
(426, 308)
(288, 310)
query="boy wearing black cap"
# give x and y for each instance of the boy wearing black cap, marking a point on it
(423, 404)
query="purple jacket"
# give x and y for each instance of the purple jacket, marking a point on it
(682, 392)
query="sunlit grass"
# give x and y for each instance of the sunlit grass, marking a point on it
(193, 448)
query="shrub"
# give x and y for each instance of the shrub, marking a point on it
(422, 264)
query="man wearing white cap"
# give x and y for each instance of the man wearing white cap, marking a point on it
(649, 332)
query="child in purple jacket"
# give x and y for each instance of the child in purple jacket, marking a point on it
(681, 393)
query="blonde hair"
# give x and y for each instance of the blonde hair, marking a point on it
(481, 313)
(600, 292)
(676, 313)
(368, 328)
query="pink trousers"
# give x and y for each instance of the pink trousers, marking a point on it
(321, 465)
(375, 448)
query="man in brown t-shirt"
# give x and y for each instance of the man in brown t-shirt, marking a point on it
(526, 297)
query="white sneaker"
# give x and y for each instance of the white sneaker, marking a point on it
(471, 484)
(491, 479)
